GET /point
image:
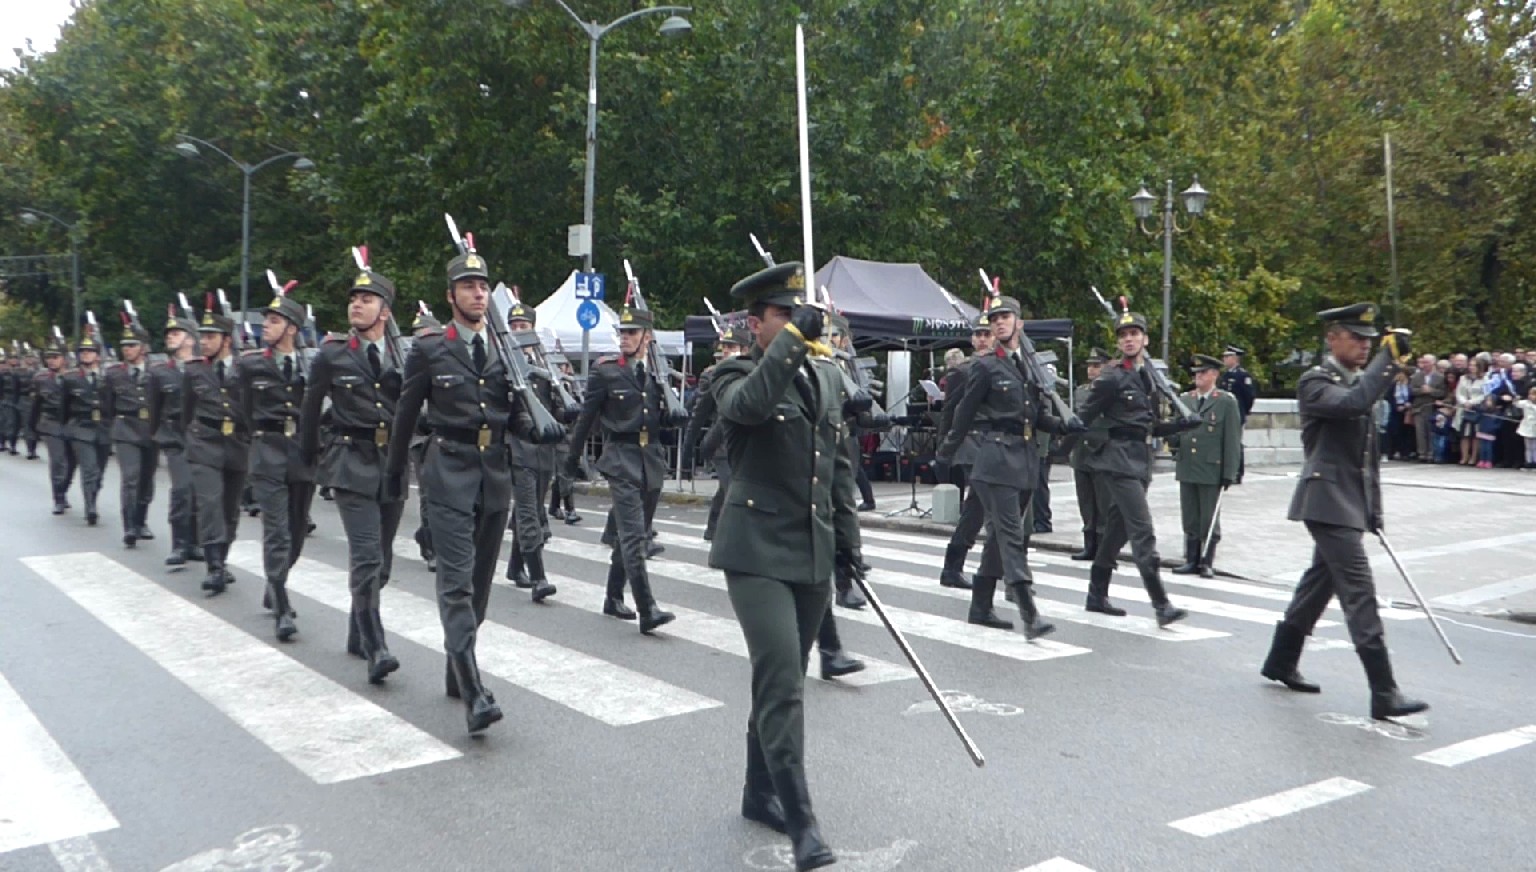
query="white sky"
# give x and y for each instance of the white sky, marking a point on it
(37, 20)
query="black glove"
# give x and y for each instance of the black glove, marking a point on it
(549, 434)
(809, 320)
(1399, 342)
(571, 413)
(1189, 422)
(1226, 483)
(1074, 425)
(676, 418)
(849, 564)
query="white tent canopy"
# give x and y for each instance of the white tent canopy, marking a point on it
(558, 327)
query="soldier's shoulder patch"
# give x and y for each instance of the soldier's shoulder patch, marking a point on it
(429, 333)
(332, 336)
(252, 352)
(607, 359)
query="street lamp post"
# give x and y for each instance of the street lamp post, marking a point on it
(188, 147)
(1142, 203)
(31, 216)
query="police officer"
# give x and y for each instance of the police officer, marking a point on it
(533, 466)
(628, 403)
(1338, 497)
(1236, 381)
(125, 402)
(463, 380)
(84, 424)
(1208, 458)
(703, 419)
(46, 419)
(788, 518)
(165, 381)
(359, 373)
(999, 412)
(218, 439)
(425, 324)
(1122, 407)
(1082, 479)
(972, 515)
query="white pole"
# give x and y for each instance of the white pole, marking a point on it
(805, 155)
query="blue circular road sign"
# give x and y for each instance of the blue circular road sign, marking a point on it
(587, 315)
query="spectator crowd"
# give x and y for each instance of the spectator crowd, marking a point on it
(1473, 410)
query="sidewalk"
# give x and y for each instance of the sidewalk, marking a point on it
(1465, 535)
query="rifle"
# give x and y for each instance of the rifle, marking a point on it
(186, 307)
(392, 339)
(1037, 371)
(546, 430)
(530, 343)
(660, 369)
(95, 330)
(1159, 381)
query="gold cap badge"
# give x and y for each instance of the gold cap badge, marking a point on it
(207, 319)
(1368, 316)
(627, 316)
(474, 262)
(796, 282)
(362, 279)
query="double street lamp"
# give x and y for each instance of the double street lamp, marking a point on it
(31, 217)
(673, 27)
(1142, 203)
(188, 147)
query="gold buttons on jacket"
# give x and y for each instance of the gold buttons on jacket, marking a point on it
(749, 504)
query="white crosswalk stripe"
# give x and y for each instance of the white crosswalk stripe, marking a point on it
(606, 691)
(326, 731)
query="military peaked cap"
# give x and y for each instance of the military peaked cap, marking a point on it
(523, 312)
(467, 266)
(1005, 304)
(376, 284)
(425, 321)
(1359, 319)
(1098, 355)
(1233, 349)
(135, 332)
(1203, 362)
(1127, 320)
(779, 285)
(87, 342)
(635, 319)
(174, 322)
(289, 308)
(735, 336)
(213, 322)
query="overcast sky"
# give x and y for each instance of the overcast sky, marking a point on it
(37, 20)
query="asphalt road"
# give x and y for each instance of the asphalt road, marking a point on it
(146, 727)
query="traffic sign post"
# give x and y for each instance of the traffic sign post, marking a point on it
(590, 285)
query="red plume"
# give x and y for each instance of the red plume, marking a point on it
(997, 286)
(1125, 305)
(126, 321)
(469, 241)
(292, 283)
(208, 301)
(363, 250)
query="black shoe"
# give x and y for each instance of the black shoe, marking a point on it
(542, 589)
(653, 618)
(1191, 563)
(1167, 614)
(214, 581)
(176, 558)
(284, 623)
(951, 578)
(654, 550)
(851, 599)
(615, 608)
(572, 518)
(811, 852)
(516, 573)
(1034, 625)
(1284, 654)
(867, 506)
(143, 534)
(759, 799)
(129, 541)
(194, 553)
(480, 709)
(91, 518)
(989, 618)
(1386, 700)
(836, 663)
(285, 627)
(555, 514)
(1208, 559)
(1103, 606)
(1090, 546)
(371, 628)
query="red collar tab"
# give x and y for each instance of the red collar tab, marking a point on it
(452, 332)
(353, 343)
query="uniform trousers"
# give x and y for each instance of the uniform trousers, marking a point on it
(92, 457)
(1007, 543)
(136, 465)
(1339, 567)
(629, 522)
(217, 503)
(467, 545)
(779, 621)
(180, 515)
(968, 527)
(1127, 519)
(564, 486)
(717, 502)
(284, 522)
(530, 517)
(1197, 506)
(418, 459)
(370, 526)
(61, 465)
(1088, 502)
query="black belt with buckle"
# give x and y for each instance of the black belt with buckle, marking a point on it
(224, 425)
(276, 426)
(483, 437)
(1012, 428)
(377, 435)
(641, 438)
(1128, 434)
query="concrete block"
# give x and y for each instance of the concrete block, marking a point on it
(946, 503)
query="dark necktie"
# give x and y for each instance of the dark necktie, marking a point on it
(479, 353)
(136, 375)
(220, 368)
(373, 360)
(287, 369)
(640, 372)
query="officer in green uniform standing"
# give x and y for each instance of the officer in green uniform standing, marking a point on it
(533, 465)
(84, 424)
(164, 390)
(1208, 460)
(46, 420)
(788, 521)
(218, 439)
(125, 402)
(1082, 478)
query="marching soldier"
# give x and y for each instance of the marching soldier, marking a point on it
(1338, 497)
(972, 515)
(47, 420)
(1236, 381)
(218, 439)
(627, 401)
(125, 402)
(83, 420)
(1122, 407)
(532, 468)
(165, 383)
(999, 412)
(281, 479)
(9, 395)
(562, 493)
(1208, 463)
(360, 374)
(788, 519)
(464, 382)
(1082, 479)
(25, 385)
(702, 417)
(424, 325)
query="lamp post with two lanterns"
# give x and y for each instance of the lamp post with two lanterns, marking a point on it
(1142, 203)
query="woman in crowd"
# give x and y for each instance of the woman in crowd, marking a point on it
(1469, 402)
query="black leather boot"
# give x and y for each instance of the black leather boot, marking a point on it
(355, 634)
(1098, 592)
(613, 604)
(800, 822)
(515, 572)
(194, 553)
(835, 662)
(542, 589)
(1284, 654)
(1386, 700)
(1166, 612)
(480, 708)
(759, 801)
(1191, 563)
(1090, 546)
(284, 623)
(370, 629)
(424, 542)
(952, 575)
(1208, 559)
(1034, 625)
(850, 598)
(451, 681)
(651, 615)
(215, 580)
(90, 509)
(981, 605)
(60, 506)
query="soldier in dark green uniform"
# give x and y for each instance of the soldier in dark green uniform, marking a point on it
(628, 403)
(25, 385)
(1082, 479)
(218, 439)
(703, 419)
(562, 491)
(424, 325)
(789, 517)
(164, 390)
(1338, 497)
(533, 465)
(1122, 410)
(10, 395)
(972, 515)
(125, 402)
(84, 424)
(46, 421)
(1208, 458)
(359, 373)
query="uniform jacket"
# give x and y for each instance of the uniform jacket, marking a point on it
(362, 411)
(213, 422)
(125, 403)
(1122, 414)
(624, 404)
(1237, 382)
(529, 455)
(701, 415)
(81, 408)
(271, 407)
(1340, 477)
(1078, 440)
(47, 404)
(999, 412)
(790, 505)
(1211, 453)
(460, 399)
(165, 404)
(954, 389)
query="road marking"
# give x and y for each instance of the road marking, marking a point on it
(1497, 590)
(43, 797)
(953, 632)
(1482, 746)
(1057, 864)
(1461, 547)
(606, 691)
(325, 730)
(1234, 817)
(720, 634)
(79, 854)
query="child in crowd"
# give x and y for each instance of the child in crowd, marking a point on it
(1445, 435)
(1527, 429)
(1488, 423)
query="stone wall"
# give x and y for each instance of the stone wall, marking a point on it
(1272, 435)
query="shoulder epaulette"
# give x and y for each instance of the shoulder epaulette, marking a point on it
(610, 358)
(333, 336)
(252, 352)
(429, 333)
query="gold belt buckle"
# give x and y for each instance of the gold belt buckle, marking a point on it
(381, 436)
(645, 438)
(483, 440)
(143, 414)
(1029, 432)
(288, 427)
(96, 415)
(227, 428)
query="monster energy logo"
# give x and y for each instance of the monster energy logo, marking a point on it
(941, 326)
